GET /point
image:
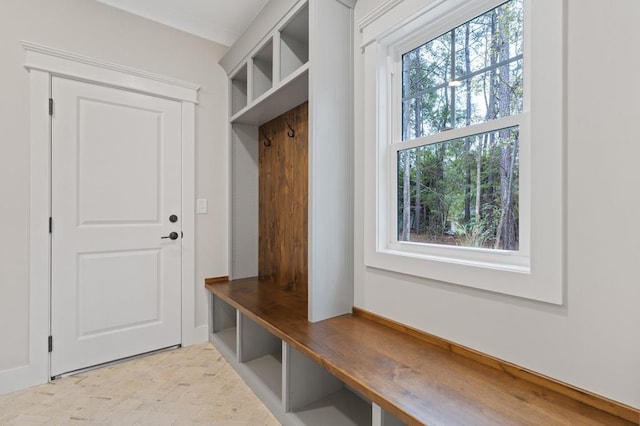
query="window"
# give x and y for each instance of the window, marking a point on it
(463, 191)
(463, 139)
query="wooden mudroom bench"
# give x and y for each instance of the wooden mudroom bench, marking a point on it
(414, 377)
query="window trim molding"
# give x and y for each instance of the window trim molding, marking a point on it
(536, 272)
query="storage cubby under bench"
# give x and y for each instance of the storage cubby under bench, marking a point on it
(371, 372)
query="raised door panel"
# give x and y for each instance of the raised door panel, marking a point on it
(116, 180)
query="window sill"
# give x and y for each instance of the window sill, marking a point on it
(477, 258)
(510, 279)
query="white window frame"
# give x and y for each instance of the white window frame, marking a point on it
(536, 270)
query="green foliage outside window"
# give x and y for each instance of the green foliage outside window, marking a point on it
(463, 191)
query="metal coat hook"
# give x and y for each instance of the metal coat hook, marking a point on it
(267, 141)
(292, 132)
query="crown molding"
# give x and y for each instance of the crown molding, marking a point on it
(377, 13)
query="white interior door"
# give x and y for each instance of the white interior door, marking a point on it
(116, 181)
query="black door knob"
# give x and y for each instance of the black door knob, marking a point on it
(173, 218)
(172, 236)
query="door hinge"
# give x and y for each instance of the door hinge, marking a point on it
(50, 343)
(50, 225)
(51, 107)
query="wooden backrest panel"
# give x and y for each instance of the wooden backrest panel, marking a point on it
(283, 200)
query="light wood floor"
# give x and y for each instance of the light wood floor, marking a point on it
(188, 386)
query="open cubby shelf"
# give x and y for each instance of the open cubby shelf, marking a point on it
(261, 352)
(342, 407)
(227, 339)
(263, 70)
(239, 90)
(268, 369)
(294, 43)
(224, 327)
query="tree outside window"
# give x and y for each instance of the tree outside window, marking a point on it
(463, 191)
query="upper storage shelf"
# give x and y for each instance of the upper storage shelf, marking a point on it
(287, 94)
(263, 70)
(239, 90)
(275, 76)
(294, 43)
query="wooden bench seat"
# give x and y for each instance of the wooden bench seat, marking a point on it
(416, 381)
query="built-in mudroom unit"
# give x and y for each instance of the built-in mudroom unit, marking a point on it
(291, 205)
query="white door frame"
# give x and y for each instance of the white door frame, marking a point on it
(43, 62)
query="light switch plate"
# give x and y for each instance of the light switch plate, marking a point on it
(202, 206)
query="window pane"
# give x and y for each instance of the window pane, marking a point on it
(419, 121)
(427, 66)
(461, 192)
(490, 95)
(496, 33)
(466, 76)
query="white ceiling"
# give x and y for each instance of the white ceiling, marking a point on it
(221, 21)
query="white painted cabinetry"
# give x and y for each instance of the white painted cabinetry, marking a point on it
(295, 51)
(305, 55)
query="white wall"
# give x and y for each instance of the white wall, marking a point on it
(96, 30)
(593, 341)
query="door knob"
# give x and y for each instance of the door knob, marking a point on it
(172, 236)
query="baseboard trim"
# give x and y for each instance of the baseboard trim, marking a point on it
(19, 378)
(597, 401)
(200, 335)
